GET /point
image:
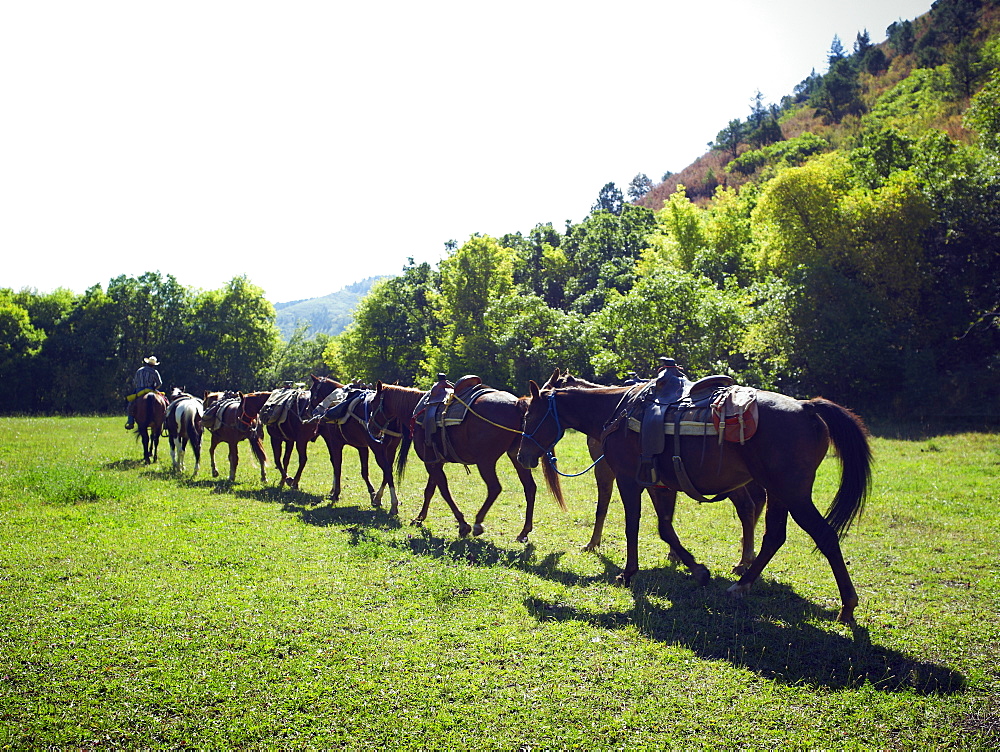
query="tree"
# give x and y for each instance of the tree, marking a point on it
(610, 199)
(983, 115)
(901, 37)
(235, 339)
(862, 43)
(729, 138)
(639, 187)
(837, 52)
(392, 326)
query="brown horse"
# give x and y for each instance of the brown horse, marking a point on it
(353, 431)
(150, 410)
(235, 420)
(748, 500)
(294, 432)
(792, 438)
(491, 429)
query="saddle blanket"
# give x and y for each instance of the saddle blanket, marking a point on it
(213, 418)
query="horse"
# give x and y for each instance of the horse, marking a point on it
(294, 432)
(792, 438)
(184, 426)
(353, 431)
(232, 422)
(150, 409)
(491, 429)
(748, 500)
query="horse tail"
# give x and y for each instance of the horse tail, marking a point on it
(257, 447)
(552, 481)
(850, 440)
(403, 453)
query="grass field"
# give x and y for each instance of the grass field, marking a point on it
(142, 609)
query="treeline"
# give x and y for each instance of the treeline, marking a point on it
(849, 247)
(855, 259)
(66, 353)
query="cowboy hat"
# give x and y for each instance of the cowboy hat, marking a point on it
(151, 361)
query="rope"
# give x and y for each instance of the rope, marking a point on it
(552, 461)
(469, 408)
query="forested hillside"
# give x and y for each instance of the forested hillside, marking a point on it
(844, 241)
(329, 314)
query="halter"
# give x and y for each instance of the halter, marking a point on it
(550, 453)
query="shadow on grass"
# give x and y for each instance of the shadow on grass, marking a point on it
(123, 464)
(772, 632)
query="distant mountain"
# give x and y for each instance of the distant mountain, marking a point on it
(327, 315)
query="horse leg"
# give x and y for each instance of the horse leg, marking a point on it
(144, 433)
(181, 445)
(363, 460)
(276, 447)
(157, 430)
(286, 459)
(234, 460)
(300, 446)
(605, 480)
(488, 473)
(436, 474)
(808, 517)
(527, 479)
(173, 453)
(631, 494)
(196, 449)
(384, 462)
(211, 455)
(748, 504)
(336, 450)
(664, 501)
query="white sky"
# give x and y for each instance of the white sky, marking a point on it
(328, 142)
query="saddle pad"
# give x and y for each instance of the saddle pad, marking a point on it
(456, 405)
(213, 418)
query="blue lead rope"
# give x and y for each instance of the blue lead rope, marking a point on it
(552, 461)
(550, 453)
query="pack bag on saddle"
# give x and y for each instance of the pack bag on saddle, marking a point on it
(213, 419)
(446, 404)
(275, 410)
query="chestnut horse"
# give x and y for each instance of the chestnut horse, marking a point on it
(354, 432)
(184, 414)
(237, 420)
(150, 410)
(792, 438)
(491, 429)
(748, 500)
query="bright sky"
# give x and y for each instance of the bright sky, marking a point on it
(311, 144)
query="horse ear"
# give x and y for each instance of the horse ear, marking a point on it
(378, 386)
(533, 388)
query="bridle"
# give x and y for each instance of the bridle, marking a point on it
(550, 452)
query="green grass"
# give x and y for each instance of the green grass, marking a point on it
(143, 609)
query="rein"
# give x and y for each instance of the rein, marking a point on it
(550, 453)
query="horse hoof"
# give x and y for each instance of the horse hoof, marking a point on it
(738, 590)
(478, 530)
(393, 512)
(464, 529)
(522, 538)
(417, 522)
(846, 615)
(376, 502)
(623, 579)
(701, 575)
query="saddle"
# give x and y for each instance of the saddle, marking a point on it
(342, 407)
(214, 417)
(446, 404)
(675, 405)
(278, 405)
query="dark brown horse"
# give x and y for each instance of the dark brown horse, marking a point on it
(792, 438)
(294, 432)
(150, 410)
(748, 500)
(353, 431)
(490, 430)
(234, 422)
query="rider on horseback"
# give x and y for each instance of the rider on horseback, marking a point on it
(146, 379)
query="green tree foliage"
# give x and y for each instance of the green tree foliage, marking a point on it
(901, 37)
(729, 138)
(610, 199)
(236, 338)
(983, 115)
